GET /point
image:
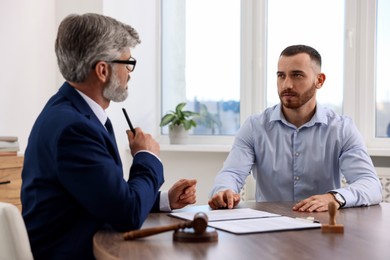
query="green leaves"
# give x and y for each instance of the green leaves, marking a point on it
(179, 117)
(168, 118)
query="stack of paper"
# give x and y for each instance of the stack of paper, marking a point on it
(9, 145)
(246, 220)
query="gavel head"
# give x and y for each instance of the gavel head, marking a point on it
(199, 224)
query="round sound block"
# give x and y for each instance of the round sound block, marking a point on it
(189, 235)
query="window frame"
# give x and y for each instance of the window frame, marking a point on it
(360, 50)
(359, 101)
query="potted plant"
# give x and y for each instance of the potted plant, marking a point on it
(179, 123)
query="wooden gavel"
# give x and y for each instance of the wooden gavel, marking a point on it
(199, 224)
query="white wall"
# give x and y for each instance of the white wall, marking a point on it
(28, 67)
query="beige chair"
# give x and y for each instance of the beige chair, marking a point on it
(386, 188)
(248, 192)
(14, 243)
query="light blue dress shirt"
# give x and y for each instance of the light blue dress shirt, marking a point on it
(291, 164)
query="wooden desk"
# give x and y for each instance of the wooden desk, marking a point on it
(367, 236)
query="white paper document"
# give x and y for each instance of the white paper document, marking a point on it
(227, 214)
(246, 220)
(258, 225)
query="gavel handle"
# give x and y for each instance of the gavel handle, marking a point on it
(332, 208)
(155, 230)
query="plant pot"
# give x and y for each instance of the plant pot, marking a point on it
(178, 134)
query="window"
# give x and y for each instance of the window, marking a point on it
(351, 36)
(382, 67)
(296, 22)
(201, 62)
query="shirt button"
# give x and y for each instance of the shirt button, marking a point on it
(297, 154)
(296, 178)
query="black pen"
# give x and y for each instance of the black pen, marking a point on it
(128, 121)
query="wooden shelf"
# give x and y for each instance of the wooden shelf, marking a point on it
(11, 179)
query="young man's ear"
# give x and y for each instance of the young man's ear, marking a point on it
(320, 80)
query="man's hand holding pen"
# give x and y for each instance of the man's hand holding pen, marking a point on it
(142, 142)
(183, 192)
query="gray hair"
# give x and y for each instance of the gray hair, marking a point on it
(84, 40)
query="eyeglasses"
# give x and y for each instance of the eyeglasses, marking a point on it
(130, 64)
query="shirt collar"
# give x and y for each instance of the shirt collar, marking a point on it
(95, 107)
(318, 117)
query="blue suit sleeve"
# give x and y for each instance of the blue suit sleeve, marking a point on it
(89, 170)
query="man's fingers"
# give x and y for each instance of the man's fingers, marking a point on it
(314, 203)
(188, 200)
(229, 195)
(220, 202)
(212, 204)
(217, 201)
(224, 199)
(184, 183)
(189, 192)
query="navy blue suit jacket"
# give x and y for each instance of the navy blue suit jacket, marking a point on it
(72, 181)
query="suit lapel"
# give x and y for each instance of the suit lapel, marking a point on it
(70, 93)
